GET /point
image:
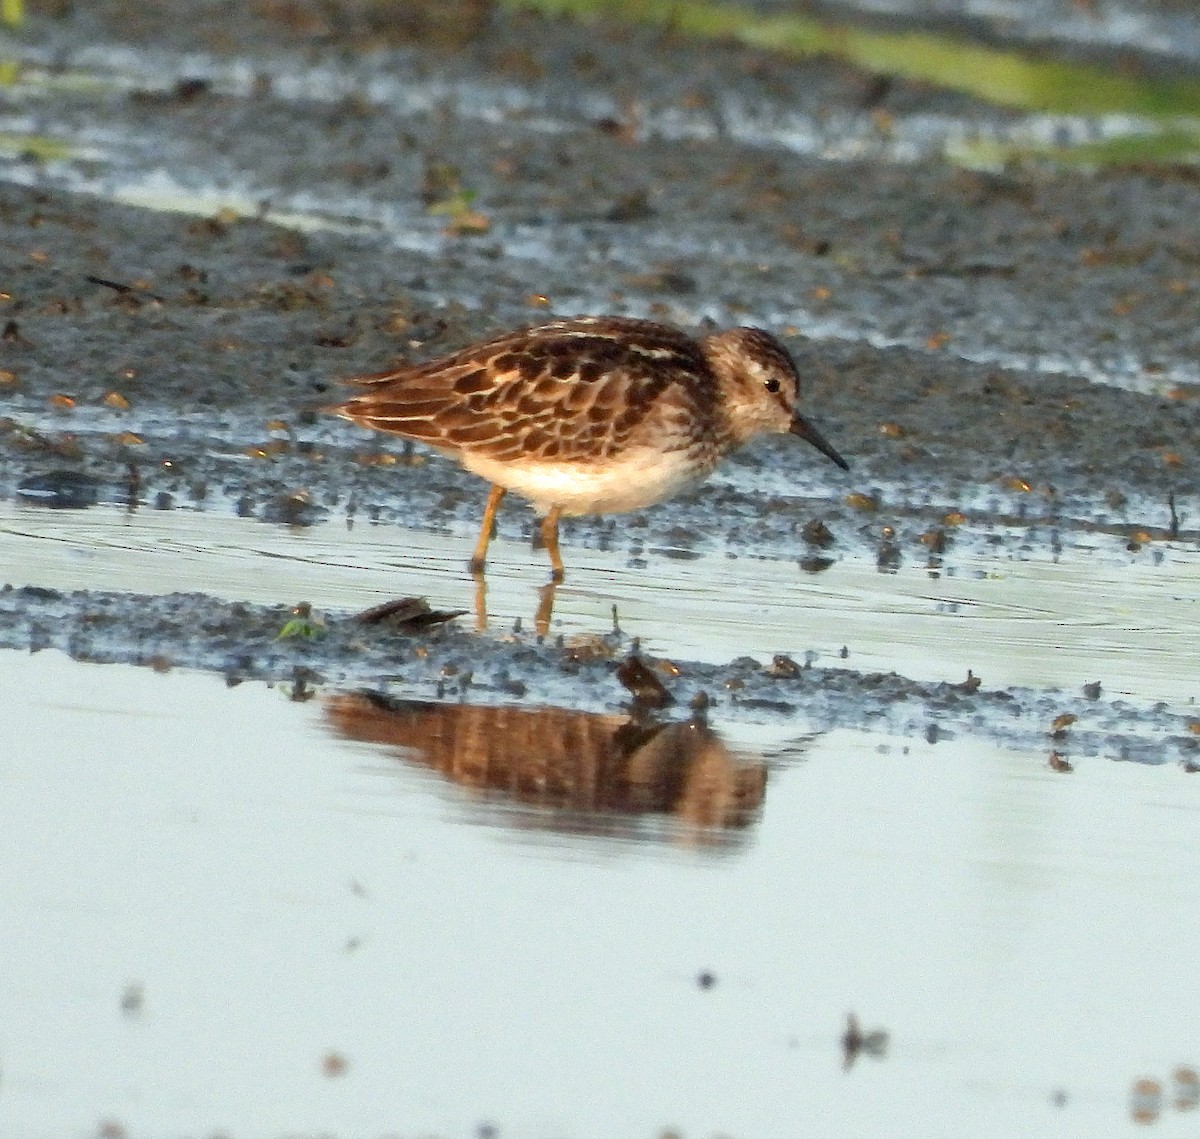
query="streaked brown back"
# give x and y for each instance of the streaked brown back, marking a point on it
(571, 390)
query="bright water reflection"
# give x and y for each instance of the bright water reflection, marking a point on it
(318, 949)
(628, 776)
(1011, 622)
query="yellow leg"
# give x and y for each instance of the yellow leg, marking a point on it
(545, 609)
(481, 621)
(479, 558)
(550, 541)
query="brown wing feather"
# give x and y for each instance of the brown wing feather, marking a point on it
(570, 390)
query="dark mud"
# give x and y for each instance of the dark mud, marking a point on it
(1008, 358)
(251, 642)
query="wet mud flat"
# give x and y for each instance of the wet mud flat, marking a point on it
(417, 655)
(520, 864)
(1007, 357)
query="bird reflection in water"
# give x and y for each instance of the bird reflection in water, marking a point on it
(541, 618)
(620, 776)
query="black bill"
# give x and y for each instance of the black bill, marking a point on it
(802, 427)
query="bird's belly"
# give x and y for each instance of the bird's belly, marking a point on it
(636, 479)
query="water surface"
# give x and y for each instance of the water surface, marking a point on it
(279, 908)
(1011, 622)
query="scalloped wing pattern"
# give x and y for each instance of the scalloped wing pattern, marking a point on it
(571, 391)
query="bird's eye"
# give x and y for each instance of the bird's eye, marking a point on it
(772, 386)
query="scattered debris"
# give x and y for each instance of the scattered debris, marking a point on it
(407, 613)
(1145, 1100)
(855, 1042)
(1060, 724)
(647, 689)
(132, 999)
(334, 1064)
(971, 684)
(783, 665)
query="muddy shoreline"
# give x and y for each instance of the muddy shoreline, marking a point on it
(245, 642)
(1008, 358)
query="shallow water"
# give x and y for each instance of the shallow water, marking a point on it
(1010, 622)
(277, 907)
(231, 912)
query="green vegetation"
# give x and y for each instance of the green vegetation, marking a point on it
(999, 76)
(1166, 110)
(303, 624)
(33, 145)
(1164, 147)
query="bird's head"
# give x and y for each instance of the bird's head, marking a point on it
(761, 388)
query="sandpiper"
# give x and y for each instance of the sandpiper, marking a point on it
(591, 415)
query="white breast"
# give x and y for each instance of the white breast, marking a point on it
(638, 478)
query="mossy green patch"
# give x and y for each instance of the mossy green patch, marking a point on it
(35, 146)
(1003, 77)
(1174, 145)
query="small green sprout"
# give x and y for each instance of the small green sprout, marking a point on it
(302, 624)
